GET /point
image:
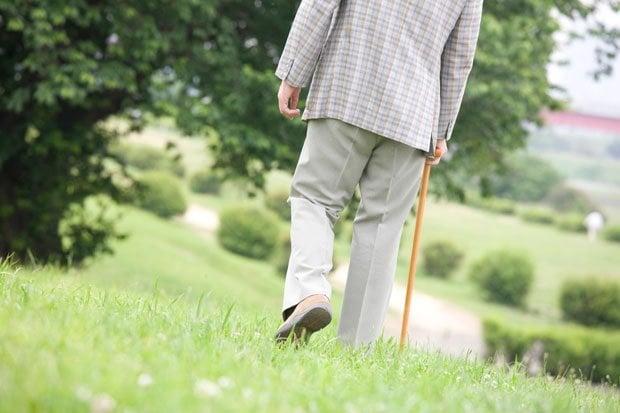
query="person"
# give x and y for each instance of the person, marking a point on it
(388, 79)
(594, 222)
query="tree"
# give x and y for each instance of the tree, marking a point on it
(66, 67)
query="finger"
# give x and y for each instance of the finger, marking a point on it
(294, 100)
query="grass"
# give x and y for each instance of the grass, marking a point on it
(69, 346)
(557, 256)
(182, 261)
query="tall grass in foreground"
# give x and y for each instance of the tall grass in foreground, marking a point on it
(66, 346)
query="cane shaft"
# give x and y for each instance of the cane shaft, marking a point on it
(414, 253)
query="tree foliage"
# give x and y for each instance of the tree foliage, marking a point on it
(65, 67)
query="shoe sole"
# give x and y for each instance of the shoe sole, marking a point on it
(304, 324)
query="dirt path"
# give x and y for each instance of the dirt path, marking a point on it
(434, 323)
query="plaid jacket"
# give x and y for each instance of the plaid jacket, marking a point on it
(394, 67)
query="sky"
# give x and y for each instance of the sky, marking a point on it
(586, 95)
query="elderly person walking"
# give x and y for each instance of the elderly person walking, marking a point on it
(387, 79)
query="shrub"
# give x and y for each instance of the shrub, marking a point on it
(565, 199)
(160, 193)
(593, 354)
(146, 158)
(441, 258)
(205, 182)
(612, 233)
(538, 215)
(591, 302)
(249, 231)
(570, 222)
(497, 205)
(504, 276)
(527, 178)
(277, 202)
(282, 254)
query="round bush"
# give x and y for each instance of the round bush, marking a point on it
(527, 178)
(148, 158)
(504, 276)
(537, 215)
(591, 302)
(565, 199)
(249, 231)
(441, 258)
(277, 202)
(571, 222)
(160, 193)
(282, 254)
(497, 205)
(612, 233)
(205, 182)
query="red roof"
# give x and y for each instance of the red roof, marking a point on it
(582, 121)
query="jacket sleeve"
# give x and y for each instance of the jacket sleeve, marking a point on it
(305, 41)
(456, 63)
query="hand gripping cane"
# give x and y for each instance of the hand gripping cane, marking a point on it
(414, 250)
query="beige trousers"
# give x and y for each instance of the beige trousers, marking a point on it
(335, 158)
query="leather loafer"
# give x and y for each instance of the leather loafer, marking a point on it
(310, 315)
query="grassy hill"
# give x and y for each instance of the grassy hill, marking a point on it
(134, 332)
(557, 256)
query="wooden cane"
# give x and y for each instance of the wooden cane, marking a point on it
(414, 250)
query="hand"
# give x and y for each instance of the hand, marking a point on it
(441, 147)
(288, 96)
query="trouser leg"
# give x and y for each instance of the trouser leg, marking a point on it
(388, 185)
(330, 166)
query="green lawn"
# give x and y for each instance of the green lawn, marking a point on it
(70, 344)
(179, 260)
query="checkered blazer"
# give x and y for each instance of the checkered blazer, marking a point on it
(394, 67)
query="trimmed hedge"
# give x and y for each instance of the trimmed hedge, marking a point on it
(160, 193)
(591, 302)
(612, 233)
(497, 205)
(146, 158)
(537, 215)
(569, 200)
(205, 182)
(249, 231)
(277, 202)
(588, 353)
(282, 254)
(504, 276)
(441, 258)
(571, 222)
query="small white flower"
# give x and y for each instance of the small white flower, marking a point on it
(206, 388)
(247, 393)
(145, 380)
(225, 382)
(102, 403)
(83, 393)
